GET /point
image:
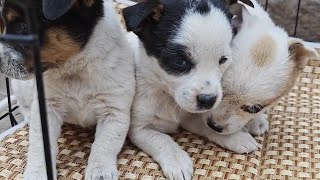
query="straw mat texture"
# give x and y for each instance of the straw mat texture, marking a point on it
(291, 149)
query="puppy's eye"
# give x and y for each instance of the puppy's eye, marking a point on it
(253, 109)
(223, 59)
(180, 62)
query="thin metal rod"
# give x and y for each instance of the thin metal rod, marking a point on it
(297, 19)
(21, 39)
(32, 20)
(12, 119)
(7, 114)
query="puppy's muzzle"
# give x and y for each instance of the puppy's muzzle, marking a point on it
(206, 101)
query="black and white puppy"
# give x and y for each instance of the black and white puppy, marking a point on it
(181, 53)
(88, 78)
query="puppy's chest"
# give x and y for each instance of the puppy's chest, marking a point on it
(76, 86)
(79, 96)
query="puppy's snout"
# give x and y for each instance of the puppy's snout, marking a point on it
(206, 101)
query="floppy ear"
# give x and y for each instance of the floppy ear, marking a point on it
(52, 9)
(237, 8)
(247, 2)
(300, 53)
(142, 15)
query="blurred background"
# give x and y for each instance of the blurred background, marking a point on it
(284, 14)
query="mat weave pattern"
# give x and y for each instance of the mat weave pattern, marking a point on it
(291, 149)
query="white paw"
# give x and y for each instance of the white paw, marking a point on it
(259, 125)
(240, 142)
(176, 165)
(32, 173)
(100, 171)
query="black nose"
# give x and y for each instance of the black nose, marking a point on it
(206, 101)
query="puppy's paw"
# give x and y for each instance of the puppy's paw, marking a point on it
(177, 165)
(32, 173)
(241, 142)
(259, 125)
(99, 171)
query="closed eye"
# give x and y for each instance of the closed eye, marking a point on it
(253, 109)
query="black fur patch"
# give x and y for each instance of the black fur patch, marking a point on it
(213, 125)
(174, 60)
(202, 7)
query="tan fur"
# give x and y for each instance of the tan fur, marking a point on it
(263, 51)
(58, 48)
(299, 55)
(88, 3)
(2, 25)
(12, 15)
(157, 11)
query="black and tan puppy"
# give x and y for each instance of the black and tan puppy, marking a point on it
(88, 76)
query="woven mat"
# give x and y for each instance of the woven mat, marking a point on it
(292, 146)
(291, 149)
(75, 142)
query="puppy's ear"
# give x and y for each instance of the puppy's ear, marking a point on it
(142, 15)
(300, 53)
(237, 8)
(247, 2)
(52, 9)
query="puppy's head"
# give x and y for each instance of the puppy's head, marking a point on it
(65, 27)
(190, 43)
(266, 65)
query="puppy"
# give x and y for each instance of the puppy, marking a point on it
(88, 79)
(266, 65)
(181, 53)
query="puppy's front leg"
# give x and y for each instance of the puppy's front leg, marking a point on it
(36, 166)
(259, 125)
(240, 142)
(110, 135)
(175, 162)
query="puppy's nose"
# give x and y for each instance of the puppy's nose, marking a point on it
(206, 101)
